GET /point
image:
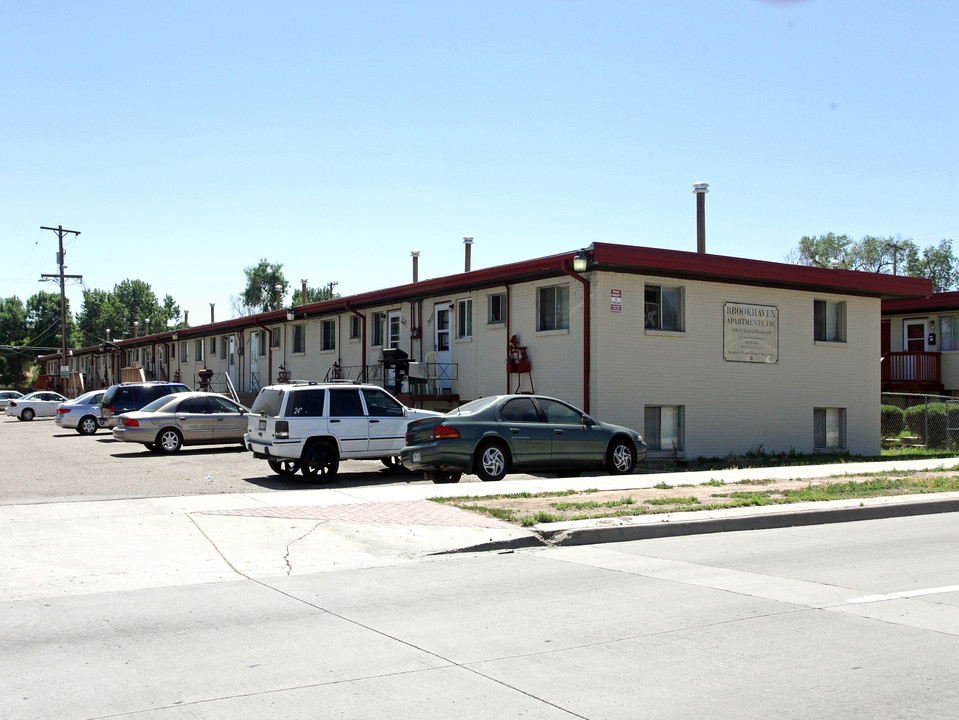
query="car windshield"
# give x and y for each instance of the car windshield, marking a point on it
(268, 402)
(474, 406)
(158, 403)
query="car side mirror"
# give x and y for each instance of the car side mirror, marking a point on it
(588, 421)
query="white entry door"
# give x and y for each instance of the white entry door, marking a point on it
(443, 352)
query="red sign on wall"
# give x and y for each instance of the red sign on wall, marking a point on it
(616, 301)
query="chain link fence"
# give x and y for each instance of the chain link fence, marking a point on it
(910, 420)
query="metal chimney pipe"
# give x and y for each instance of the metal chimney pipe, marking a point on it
(416, 265)
(146, 324)
(136, 328)
(108, 334)
(186, 318)
(302, 291)
(468, 242)
(212, 305)
(279, 295)
(700, 189)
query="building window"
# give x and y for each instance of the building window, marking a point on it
(328, 341)
(829, 428)
(464, 318)
(829, 321)
(299, 338)
(356, 327)
(663, 427)
(275, 335)
(213, 346)
(496, 309)
(223, 343)
(950, 333)
(664, 308)
(377, 330)
(198, 347)
(184, 352)
(173, 351)
(552, 312)
(261, 343)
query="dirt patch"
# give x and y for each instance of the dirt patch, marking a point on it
(687, 498)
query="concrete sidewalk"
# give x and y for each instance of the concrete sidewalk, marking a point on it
(123, 545)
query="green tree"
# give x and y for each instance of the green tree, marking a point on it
(14, 362)
(314, 295)
(260, 294)
(131, 301)
(43, 321)
(880, 255)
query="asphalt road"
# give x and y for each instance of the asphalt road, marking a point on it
(857, 620)
(41, 462)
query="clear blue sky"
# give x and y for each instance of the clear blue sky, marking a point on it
(188, 140)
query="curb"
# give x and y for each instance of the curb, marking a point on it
(567, 534)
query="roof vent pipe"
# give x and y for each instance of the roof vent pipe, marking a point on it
(186, 318)
(212, 305)
(468, 242)
(416, 265)
(146, 322)
(700, 189)
(303, 291)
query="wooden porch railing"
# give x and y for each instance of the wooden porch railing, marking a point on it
(912, 371)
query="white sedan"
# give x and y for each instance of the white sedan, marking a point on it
(39, 404)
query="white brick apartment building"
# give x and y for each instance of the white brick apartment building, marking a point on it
(704, 354)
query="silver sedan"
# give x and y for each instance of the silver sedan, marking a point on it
(42, 403)
(82, 414)
(188, 418)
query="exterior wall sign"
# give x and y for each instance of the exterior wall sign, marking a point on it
(750, 333)
(616, 301)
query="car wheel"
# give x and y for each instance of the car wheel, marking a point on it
(87, 425)
(490, 464)
(283, 467)
(27, 414)
(438, 477)
(320, 462)
(620, 457)
(169, 441)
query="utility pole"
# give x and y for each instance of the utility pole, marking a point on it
(896, 249)
(63, 288)
(331, 285)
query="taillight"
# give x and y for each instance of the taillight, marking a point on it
(281, 429)
(445, 432)
(62, 411)
(113, 410)
(129, 422)
(12, 404)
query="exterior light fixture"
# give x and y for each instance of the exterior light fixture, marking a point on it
(289, 315)
(175, 335)
(580, 261)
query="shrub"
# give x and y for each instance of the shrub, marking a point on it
(938, 423)
(893, 420)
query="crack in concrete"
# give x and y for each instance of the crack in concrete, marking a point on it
(286, 555)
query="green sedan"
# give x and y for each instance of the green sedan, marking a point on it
(495, 435)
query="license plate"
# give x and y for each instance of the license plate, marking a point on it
(262, 425)
(416, 457)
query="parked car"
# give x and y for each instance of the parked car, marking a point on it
(311, 426)
(183, 418)
(37, 404)
(8, 395)
(119, 399)
(82, 414)
(495, 435)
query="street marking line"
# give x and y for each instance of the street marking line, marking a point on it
(904, 594)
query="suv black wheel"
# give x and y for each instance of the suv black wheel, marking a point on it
(620, 457)
(320, 462)
(283, 467)
(491, 462)
(87, 425)
(438, 476)
(169, 441)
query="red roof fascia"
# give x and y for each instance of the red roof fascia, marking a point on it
(935, 302)
(720, 268)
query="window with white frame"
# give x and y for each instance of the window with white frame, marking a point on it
(198, 350)
(261, 341)
(184, 351)
(299, 338)
(275, 336)
(213, 346)
(356, 327)
(552, 308)
(328, 337)
(829, 428)
(496, 309)
(949, 331)
(223, 343)
(172, 351)
(663, 427)
(376, 332)
(464, 318)
(663, 306)
(394, 325)
(829, 321)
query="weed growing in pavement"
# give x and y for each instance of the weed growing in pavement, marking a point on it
(674, 501)
(593, 505)
(662, 486)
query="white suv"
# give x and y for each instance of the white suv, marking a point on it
(311, 426)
